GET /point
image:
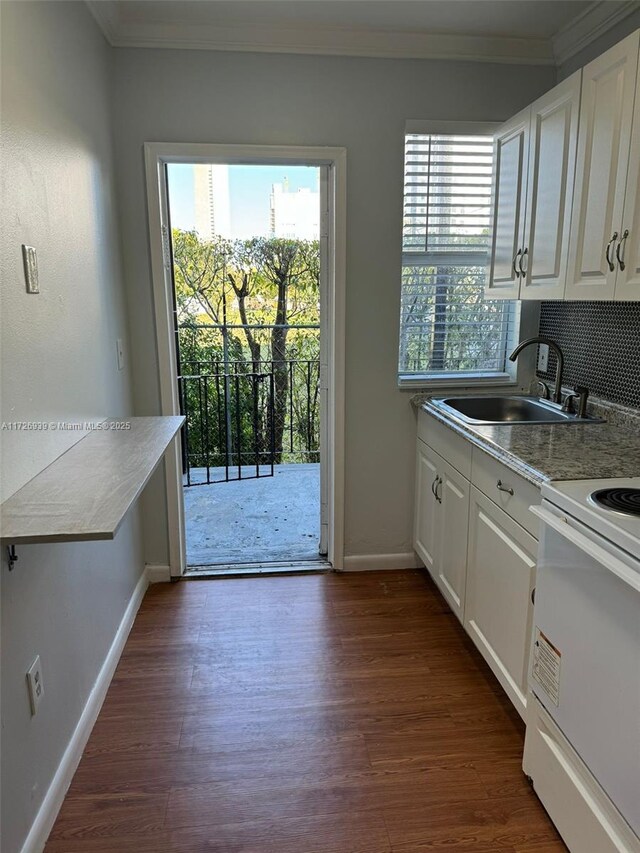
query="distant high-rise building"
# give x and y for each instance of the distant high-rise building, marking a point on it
(211, 200)
(295, 214)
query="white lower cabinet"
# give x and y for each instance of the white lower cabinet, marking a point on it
(469, 533)
(442, 513)
(500, 579)
(425, 532)
(451, 568)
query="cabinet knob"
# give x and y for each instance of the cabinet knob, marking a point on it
(516, 272)
(523, 268)
(608, 249)
(620, 250)
(501, 487)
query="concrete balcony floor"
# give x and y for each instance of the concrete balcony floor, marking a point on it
(263, 520)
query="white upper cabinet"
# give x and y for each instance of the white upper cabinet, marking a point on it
(566, 194)
(628, 246)
(511, 153)
(608, 93)
(535, 159)
(552, 164)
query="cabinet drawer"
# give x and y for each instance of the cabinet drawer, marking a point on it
(488, 472)
(455, 449)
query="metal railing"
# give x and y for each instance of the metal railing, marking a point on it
(243, 417)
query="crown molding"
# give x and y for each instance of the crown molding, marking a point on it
(589, 25)
(106, 14)
(338, 42)
(327, 41)
(335, 41)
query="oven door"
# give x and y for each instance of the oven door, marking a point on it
(585, 662)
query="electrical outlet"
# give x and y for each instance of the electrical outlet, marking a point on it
(543, 357)
(35, 685)
(30, 261)
(120, 353)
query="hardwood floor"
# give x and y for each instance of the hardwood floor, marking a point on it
(302, 714)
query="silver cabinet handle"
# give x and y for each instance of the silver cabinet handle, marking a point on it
(515, 263)
(620, 249)
(501, 487)
(523, 270)
(433, 486)
(608, 249)
(438, 483)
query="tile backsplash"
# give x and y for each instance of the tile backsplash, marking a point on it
(601, 346)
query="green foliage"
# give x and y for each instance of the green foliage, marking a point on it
(248, 338)
(447, 325)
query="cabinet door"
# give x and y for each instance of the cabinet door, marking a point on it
(628, 248)
(451, 568)
(608, 90)
(511, 153)
(425, 530)
(552, 163)
(500, 579)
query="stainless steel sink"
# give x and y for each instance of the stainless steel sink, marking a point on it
(508, 410)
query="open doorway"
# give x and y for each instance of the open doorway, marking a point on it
(332, 162)
(247, 282)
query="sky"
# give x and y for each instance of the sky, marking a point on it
(249, 190)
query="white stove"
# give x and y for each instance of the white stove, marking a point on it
(617, 519)
(582, 746)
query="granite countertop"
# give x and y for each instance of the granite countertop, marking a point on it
(543, 452)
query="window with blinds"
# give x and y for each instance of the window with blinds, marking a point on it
(447, 327)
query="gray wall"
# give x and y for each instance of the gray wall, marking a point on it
(63, 602)
(362, 104)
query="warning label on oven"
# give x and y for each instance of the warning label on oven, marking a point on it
(546, 666)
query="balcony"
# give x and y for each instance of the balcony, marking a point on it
(251, 521)
(251, 453)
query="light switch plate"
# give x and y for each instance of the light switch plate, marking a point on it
(30, 261)
(543, 358)
(120, 353)
(35, 685)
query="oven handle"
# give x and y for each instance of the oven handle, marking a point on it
(615, 566)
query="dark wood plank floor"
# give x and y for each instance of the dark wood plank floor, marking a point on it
(302, 714)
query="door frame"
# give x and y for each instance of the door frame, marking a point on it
(157, 155)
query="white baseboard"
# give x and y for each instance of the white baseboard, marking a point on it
(381, 562)
(158, 574)
(54, 797)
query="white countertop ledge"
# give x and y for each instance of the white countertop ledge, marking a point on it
(86, 492)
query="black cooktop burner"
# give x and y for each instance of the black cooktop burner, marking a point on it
(622, 500)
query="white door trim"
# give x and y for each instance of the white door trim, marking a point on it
(325, 249)
(157, 155)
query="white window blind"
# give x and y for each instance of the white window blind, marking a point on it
(447, 328)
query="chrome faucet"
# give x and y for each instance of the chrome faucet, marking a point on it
(557, 393)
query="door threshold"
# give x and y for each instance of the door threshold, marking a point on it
(234, 570)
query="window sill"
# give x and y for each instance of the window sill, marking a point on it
(459, 382)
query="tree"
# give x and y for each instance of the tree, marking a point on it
(199, 269)
(292, 268)
(261, 286)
